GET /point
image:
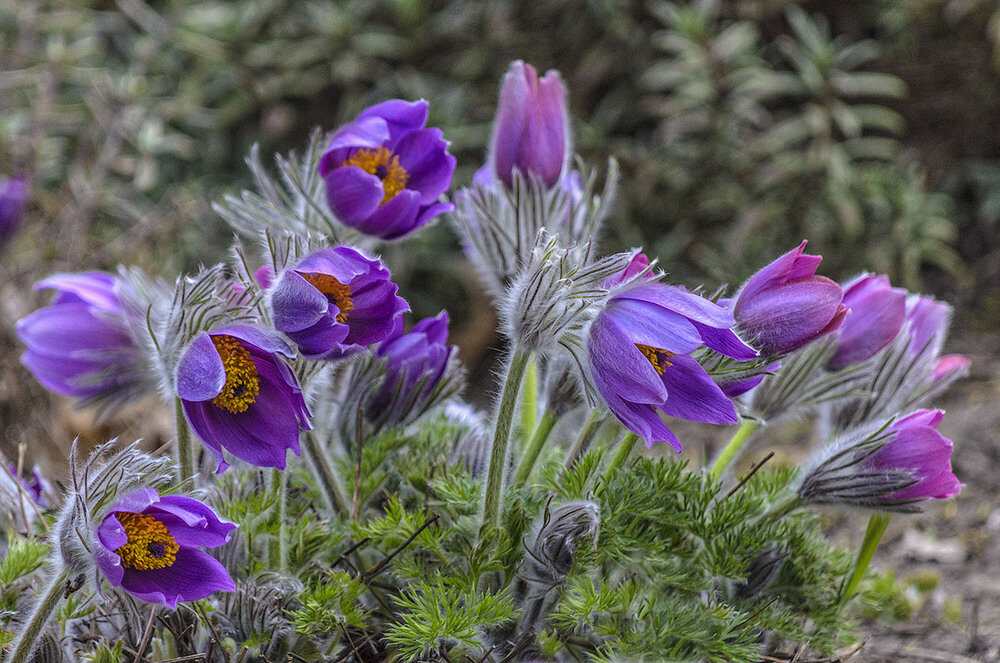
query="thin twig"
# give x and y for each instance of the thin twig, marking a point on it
(140, 653)
(375, 570)
(753, 471)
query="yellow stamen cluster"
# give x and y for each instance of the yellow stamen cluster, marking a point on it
(382, 163)
(338, 293)
(660, 359)
(242, 381)
(150, 545)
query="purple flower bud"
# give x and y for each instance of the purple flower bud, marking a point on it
(239, 394)
(385, 171)
(948, 366)
(736, 388)
(13, 200)
(150, 546)
(785, 305)
(876, 314)
(531, 129)
(35, 485)
(639, 348)
(929, 320)
(916, 446)
(336, 302)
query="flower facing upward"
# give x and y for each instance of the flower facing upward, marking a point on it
(385, 171)
(335, 302)
(531, 129)
(150, 546)
(639, 348)
(239, 395)
(876, 314)
(13, 200)
(785, 305)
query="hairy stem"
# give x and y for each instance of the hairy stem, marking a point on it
(47, 603)
(538, 439)
(873, 535)
(529, 398)
(622, 453)
(279, 551)
(734, 446)
(501, 438)
(319, 462)
(584, 439)
(185, 465)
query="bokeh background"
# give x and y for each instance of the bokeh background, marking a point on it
(870, 127)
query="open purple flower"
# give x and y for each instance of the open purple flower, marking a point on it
(13, 200)
(150, 546)
(639, 348)
(385, 171)
(876, 314)
(79, 345)
(916, 446)
(336, 302)
(531, 129)
(238, 394)
(785, 305)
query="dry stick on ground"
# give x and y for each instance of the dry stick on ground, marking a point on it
(140, 653)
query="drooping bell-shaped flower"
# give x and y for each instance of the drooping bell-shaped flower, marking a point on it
(531, 129)
(876, 314)
(786, 305)
(239, 395)
(80, 345)
(335, 302)
(150, 545)
(640, 347)
(13, 200)
(385, 171)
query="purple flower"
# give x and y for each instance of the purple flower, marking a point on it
(639, 348)
(785, 305)
(36, 486)
(238, 394)
(947, 366)
(385, 171)
(918, 448)
(735, 388)
(79, 345)
(928, 321)
(876, 314)
(150, 546)
(531, 129)
(13, 200)
(335, 302)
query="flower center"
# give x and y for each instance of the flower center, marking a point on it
(338, 293)
(242, 381)
(384, 165)
(660, 359)
(149, 546)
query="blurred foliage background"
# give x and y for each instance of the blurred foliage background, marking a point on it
(870, 127)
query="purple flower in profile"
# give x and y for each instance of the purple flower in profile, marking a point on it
(239, 395)
(735, 388)
(385, 171)
(150, 546)
(531, 129)
(80, 345)
(876, 314)
(336, 302)
(917, 447)
(948, 366)
(36, 486)
(13, 200)
(928, 321)
(639, 349)
(785, 305)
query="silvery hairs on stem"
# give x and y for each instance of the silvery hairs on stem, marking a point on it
(473, 438)
(498, 227)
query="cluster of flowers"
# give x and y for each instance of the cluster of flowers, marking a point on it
(630, 343)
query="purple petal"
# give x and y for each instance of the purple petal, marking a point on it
(194, 575)
(262, 339)
(395, 218)
(192, 523)
(424, 156)
(653, 325)
(693, 395)
(94, 288)
(200, 372)
(296, 303)
(353, 194)
(726, 342)
(619, 367)
(400, 116)
(679, 300)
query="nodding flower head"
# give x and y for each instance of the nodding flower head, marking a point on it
(876, 314)
(13, 200)
(80, 345)
(928, 321)
(335, 302)
(238, 394)
(385, 171)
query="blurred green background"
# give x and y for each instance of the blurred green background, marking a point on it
(870, 127)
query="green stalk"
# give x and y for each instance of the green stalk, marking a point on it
(185, 465)
(534, 448)
(733, 447)
(585, 437)
(319, 462)
(279, 551)
(873, 535)
(529, 398)
(25, 643)
(501, 439)
(621, 455)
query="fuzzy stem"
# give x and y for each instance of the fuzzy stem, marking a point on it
(621, 455)
(529, 398)
(501, 438)
(25, 644)
(781, 508)
(279, 552)
(322, 469)
(873, 535)
(534, 448)
(733, 447)
(185, 466)
(584, 439)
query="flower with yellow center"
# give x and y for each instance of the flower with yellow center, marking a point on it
(660, 359)
(338, 293)
(242, 381)
(149, 546)
(383, 164)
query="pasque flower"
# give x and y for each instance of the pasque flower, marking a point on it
(150, 546)
(13, 200)
(336, 302)
(531, 129)
(238, 394)
(385, 171)
(928, 321)
(35, 485)
(80, 345)
(876, 314)
(639, 349)
(917, 446)
(785, 305)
